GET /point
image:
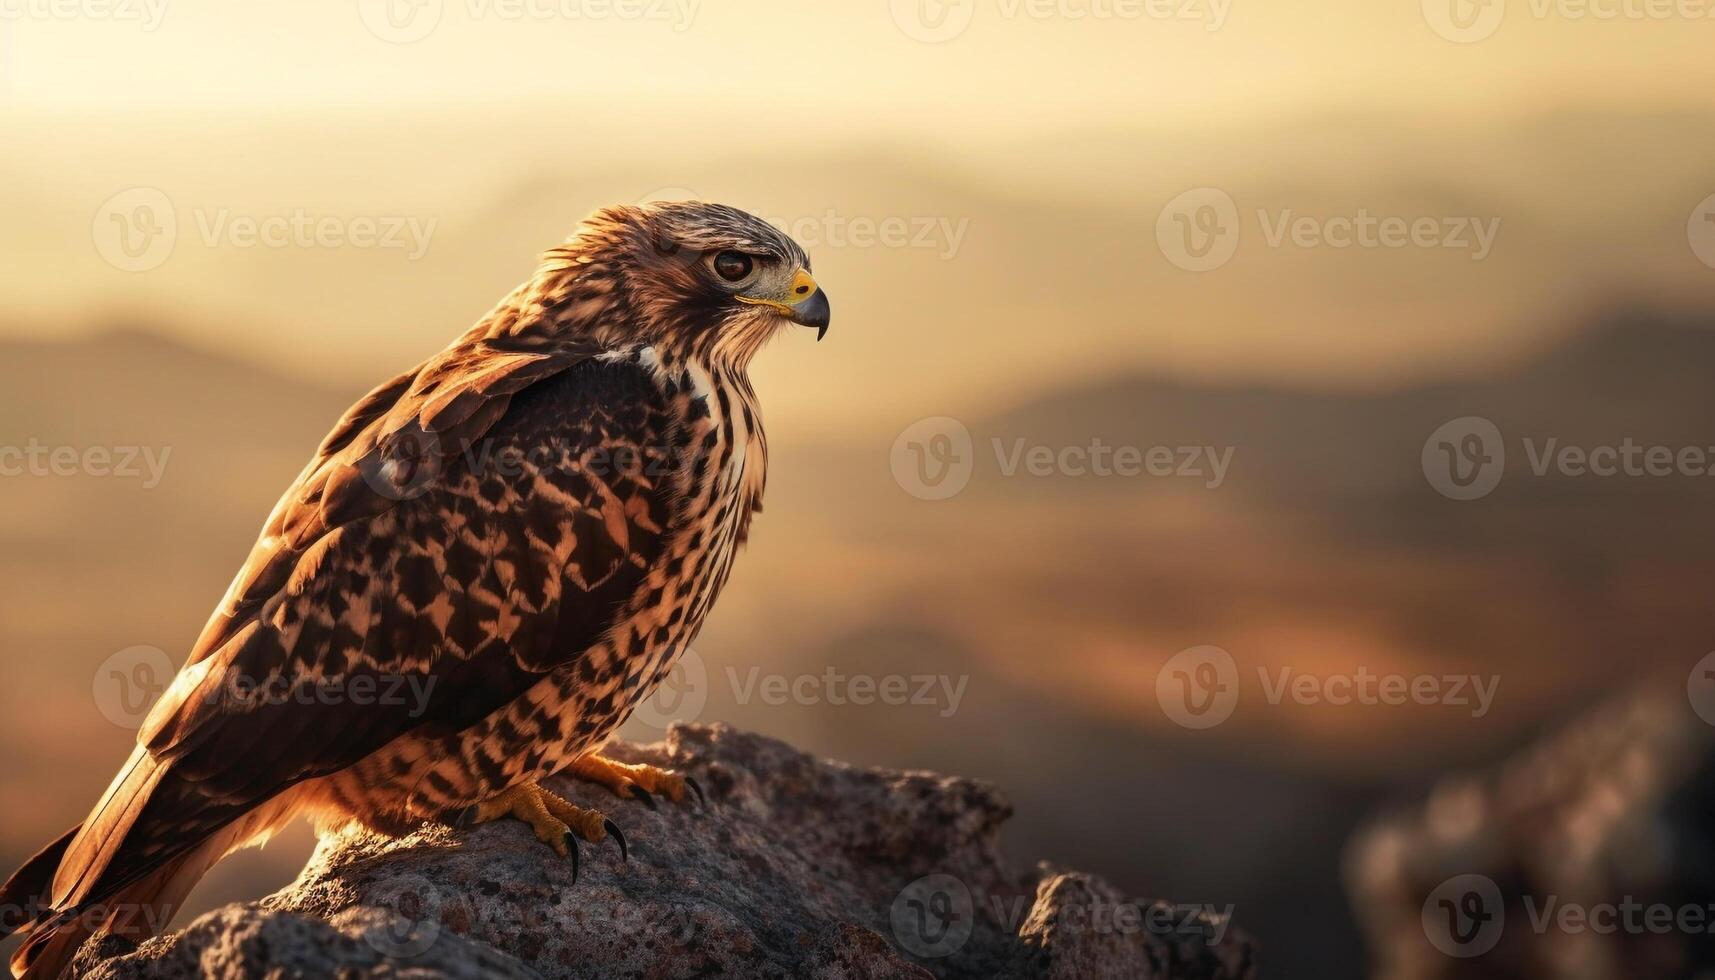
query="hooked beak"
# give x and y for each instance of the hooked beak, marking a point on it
(805, 304)
(813, 312)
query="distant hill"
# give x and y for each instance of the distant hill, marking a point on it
(1643, 373)
(134, 382)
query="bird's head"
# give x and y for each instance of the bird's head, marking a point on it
(689, 273)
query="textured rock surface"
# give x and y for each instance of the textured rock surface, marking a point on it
(1615, 812)
(799, 868)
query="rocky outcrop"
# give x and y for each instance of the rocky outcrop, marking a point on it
(1589, 856)
(797, 868)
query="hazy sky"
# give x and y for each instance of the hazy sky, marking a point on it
(777, 67)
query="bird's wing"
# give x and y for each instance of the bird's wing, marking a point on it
(465, 529)
(391, 446)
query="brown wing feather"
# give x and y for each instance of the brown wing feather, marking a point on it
(459, 580)
(386, 448)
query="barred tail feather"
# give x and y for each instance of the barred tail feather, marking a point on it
(72, 889)
(24, 897)
(136, 912)
(128, 868)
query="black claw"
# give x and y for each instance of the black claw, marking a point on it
(460, 819)
(644, 796)
(572, 852)
(702, 801)
(613, 831)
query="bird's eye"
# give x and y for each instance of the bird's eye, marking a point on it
(733, 266)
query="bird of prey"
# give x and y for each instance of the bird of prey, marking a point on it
(529, 527)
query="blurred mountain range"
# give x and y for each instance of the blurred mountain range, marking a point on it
(1046, 278)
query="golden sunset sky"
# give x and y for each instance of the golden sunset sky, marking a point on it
(817, 68)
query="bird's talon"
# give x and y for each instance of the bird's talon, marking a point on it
(640, 782)
(557, 822)
(619, 838)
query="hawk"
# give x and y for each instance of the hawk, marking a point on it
(525, 531)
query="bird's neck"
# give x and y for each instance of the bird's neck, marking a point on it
(723, 421)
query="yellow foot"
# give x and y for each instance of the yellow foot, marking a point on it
(634, 782)
(557, 822)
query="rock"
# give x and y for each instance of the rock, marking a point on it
(799, 868)
(1590, 856)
